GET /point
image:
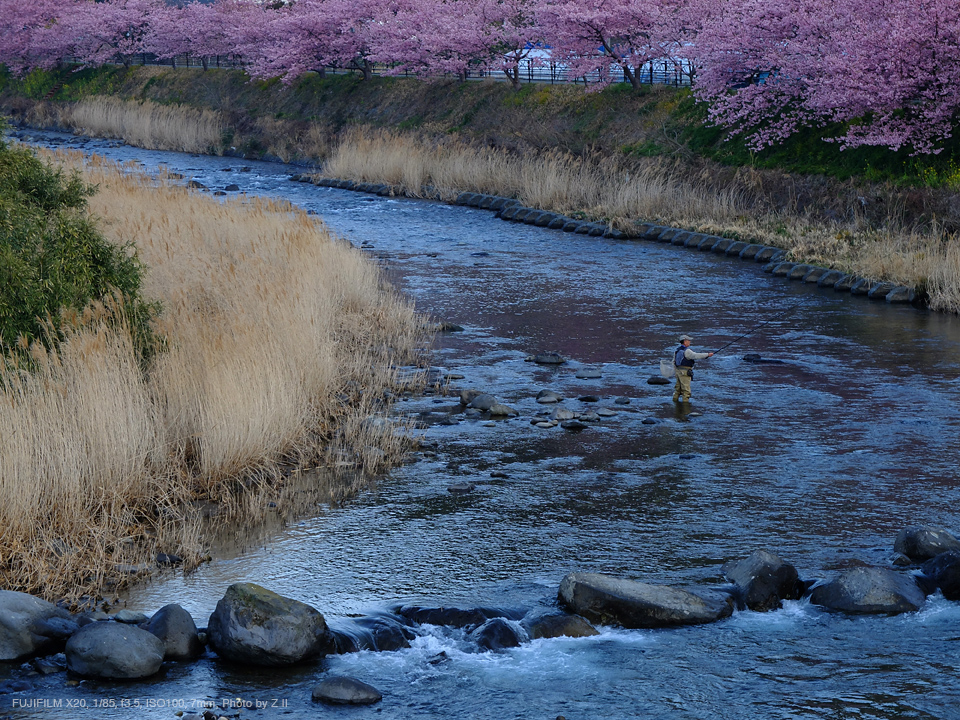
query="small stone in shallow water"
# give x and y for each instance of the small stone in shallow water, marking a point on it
(622, 401)
(346, 691)
(588, 374)
(545, 397)
(572, 425)
(545, 425)
(650, 421)
(687, 456)
(588, 398)
(607, 412)
(657, 380)
(499, 474)
(550, 358)
(461, 488)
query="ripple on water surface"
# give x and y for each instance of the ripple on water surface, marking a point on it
(822, 458)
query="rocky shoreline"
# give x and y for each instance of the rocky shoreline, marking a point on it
(774, 259)
(256, 627)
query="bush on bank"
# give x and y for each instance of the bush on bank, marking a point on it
(53, 260)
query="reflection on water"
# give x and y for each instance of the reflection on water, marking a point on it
(822, 458)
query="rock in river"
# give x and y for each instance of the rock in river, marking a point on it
(178, 632)
(922, 542)
(346, 691)
(763, 580)
(610, 600)
(944, 571)
(29, 625)
(114, 650)
(257, 626)
(547, 397)
(496, 634)
(483, 402)
(549, 358)
(869, 591)
(558, 624)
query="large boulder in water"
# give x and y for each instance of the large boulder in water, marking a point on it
(610, 600)
(944, 572)
(114, 650)
(31, 626)
(178, 632)
(763, 580)
(257, 626)
(869, 591)
(922, 542)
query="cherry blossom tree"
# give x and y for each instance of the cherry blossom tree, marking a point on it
(612, 37)
(313, 34)
(103, 32)
(888, 68)
(168, 34)
(31, 34)
(220, 29)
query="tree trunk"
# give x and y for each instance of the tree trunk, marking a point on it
(513, 74)
(366, 68)
(631, 76)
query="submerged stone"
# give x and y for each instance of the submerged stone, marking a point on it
(548, 358)
(346, 691)
(496, 634)
(558, 624)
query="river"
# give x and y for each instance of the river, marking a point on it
(822, 459)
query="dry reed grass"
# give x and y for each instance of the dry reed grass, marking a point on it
(279, 341)
(741, 203)
(147, 124)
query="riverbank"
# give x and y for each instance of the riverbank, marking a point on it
(616, 156)
(276, 347)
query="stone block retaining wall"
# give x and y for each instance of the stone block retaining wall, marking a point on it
(774, 259)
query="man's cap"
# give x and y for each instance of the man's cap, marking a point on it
(686, 337)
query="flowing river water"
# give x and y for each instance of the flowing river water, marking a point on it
(822, 459)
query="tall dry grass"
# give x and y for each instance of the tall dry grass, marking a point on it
(277, 337)
(147, 124)
(669, 191)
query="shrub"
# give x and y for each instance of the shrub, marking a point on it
(53, 259)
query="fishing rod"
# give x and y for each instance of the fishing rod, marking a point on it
(751, 332)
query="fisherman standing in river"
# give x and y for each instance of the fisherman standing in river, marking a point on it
(683, 361)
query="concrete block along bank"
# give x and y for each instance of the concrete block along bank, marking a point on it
(774, 259)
